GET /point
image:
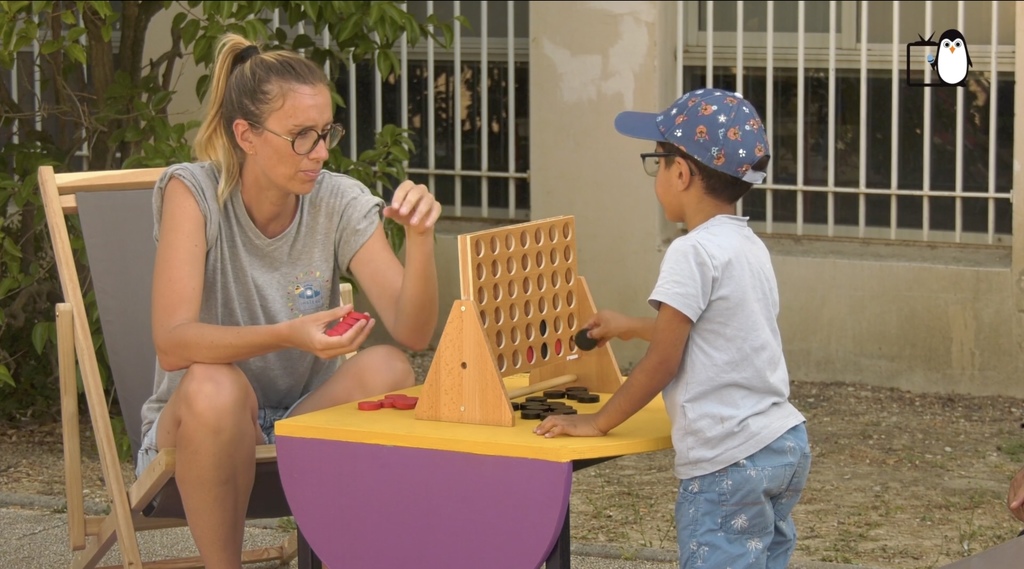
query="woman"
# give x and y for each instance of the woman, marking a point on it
(251, 242)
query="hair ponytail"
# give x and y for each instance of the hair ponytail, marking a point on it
(215, 141)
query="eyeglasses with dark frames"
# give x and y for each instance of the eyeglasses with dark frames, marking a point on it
(652, 162)
(307, 139)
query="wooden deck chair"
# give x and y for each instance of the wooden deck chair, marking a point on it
(116, 215)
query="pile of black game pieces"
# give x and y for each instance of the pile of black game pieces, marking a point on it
(543, 406)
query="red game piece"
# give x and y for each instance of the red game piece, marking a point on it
(387, 403)
(350, 320)
(405, 404)
(369, 405)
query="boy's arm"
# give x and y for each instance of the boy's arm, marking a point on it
(654, 371)
(1015, 499)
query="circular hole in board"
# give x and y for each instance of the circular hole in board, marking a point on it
(527, 285)
(463, 365)
(511, 289)
(510, 266)
(510, 242)
(481, 295)
(501, 362)
(499, 339)
(556, 301)
(495, 268)
(540, 259)
(558, 324)
(524, 239)
(483, 317)
(478, 247)
(566, 230)
(538, 237)
(515, 334)
(567, 253)
(569, 276)
(571, 321)
(570, 299)
(542, 305)
(513, 312)
(528, 308)
(553, 233)
(517, 360)
(540, 283)
(554, 256)
(525, 262)
(554, 278)
(498, 315)
(497, 292)
(529, 331)
(479, 271)
(544, 351)
(543, 328)
(494, 245)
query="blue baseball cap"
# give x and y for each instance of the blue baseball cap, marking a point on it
(719, 128)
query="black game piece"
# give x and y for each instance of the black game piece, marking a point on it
(584, 342)
(537, 398)
(577, 389)
(530, 414)
(515, 405)
(588, 398)
(554, 394)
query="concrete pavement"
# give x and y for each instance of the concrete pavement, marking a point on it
(35, 537)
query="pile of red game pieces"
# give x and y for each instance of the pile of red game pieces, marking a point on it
(347, 322)
(391, 401)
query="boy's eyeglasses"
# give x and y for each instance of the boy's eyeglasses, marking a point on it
(307, 139)
(652, 161)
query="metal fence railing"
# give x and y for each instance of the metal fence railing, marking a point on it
(857, 152)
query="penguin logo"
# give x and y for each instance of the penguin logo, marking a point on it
(951, 60)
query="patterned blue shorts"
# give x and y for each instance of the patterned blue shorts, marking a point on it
(739, 517)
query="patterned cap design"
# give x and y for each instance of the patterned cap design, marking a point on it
(719, 128)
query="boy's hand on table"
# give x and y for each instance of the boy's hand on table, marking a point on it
(570, 425)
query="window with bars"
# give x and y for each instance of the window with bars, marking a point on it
(469, 117)
(877, 159)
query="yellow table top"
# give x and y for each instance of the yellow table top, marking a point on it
(646, 431)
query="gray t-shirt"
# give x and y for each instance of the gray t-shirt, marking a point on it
(730, 396)
(252, 280)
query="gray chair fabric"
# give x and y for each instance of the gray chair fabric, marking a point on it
(118, 231)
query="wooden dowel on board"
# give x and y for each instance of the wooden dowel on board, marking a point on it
(541, 386)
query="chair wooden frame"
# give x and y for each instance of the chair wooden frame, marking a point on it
(92, 536)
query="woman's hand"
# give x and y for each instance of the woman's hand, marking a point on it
(414, 207)
(308, 333)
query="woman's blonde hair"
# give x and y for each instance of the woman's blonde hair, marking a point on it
(246, 84)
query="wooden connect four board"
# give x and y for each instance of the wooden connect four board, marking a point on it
(522, 279)
(523, 300)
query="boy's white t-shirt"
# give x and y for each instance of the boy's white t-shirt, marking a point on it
(730, 397)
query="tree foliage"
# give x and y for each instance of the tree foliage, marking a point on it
(103, 104)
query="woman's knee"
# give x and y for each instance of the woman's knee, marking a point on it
(389, 365)
(215, 390)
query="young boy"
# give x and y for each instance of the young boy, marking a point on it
(715, 353)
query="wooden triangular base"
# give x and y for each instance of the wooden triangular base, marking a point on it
(463, 384)
(597, 369)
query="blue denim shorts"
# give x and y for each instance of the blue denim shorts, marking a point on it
(266, 418)
(740, 516)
